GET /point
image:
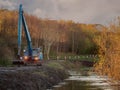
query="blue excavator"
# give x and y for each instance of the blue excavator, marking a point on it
(30, 55)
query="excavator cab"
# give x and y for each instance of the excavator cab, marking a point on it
(36, 57)
(36, 54)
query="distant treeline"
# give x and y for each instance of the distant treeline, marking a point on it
(53, 36)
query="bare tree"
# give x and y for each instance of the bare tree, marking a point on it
(50, 35)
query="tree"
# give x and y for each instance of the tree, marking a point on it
(49, 36)
(109, 52)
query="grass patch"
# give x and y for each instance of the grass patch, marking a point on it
(5, 62)
(55, 64)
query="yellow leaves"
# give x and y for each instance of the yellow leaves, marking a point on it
(109, 53)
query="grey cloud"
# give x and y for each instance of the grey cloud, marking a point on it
(7, 4)
(82, 11)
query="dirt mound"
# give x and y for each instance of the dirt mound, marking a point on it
(30, 77)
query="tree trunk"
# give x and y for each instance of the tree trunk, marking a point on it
(73, 42)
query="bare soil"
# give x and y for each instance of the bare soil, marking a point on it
(30, 77)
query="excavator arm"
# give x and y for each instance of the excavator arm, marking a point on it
(21, 22)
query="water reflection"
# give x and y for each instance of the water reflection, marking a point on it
(77, 81)
(77, 85)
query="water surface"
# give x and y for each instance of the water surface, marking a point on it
(79, 81)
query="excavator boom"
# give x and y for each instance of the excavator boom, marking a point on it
(21, 22)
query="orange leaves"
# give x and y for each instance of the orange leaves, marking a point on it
(109, 52)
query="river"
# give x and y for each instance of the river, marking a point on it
(85, 81)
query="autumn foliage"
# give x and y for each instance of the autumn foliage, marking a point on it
(109, 51)
(62, 36)
(52, 35)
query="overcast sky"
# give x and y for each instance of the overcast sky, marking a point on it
(82, 11)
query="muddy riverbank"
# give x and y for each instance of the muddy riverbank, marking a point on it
(33, 77)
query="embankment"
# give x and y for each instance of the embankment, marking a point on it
(33, 77)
